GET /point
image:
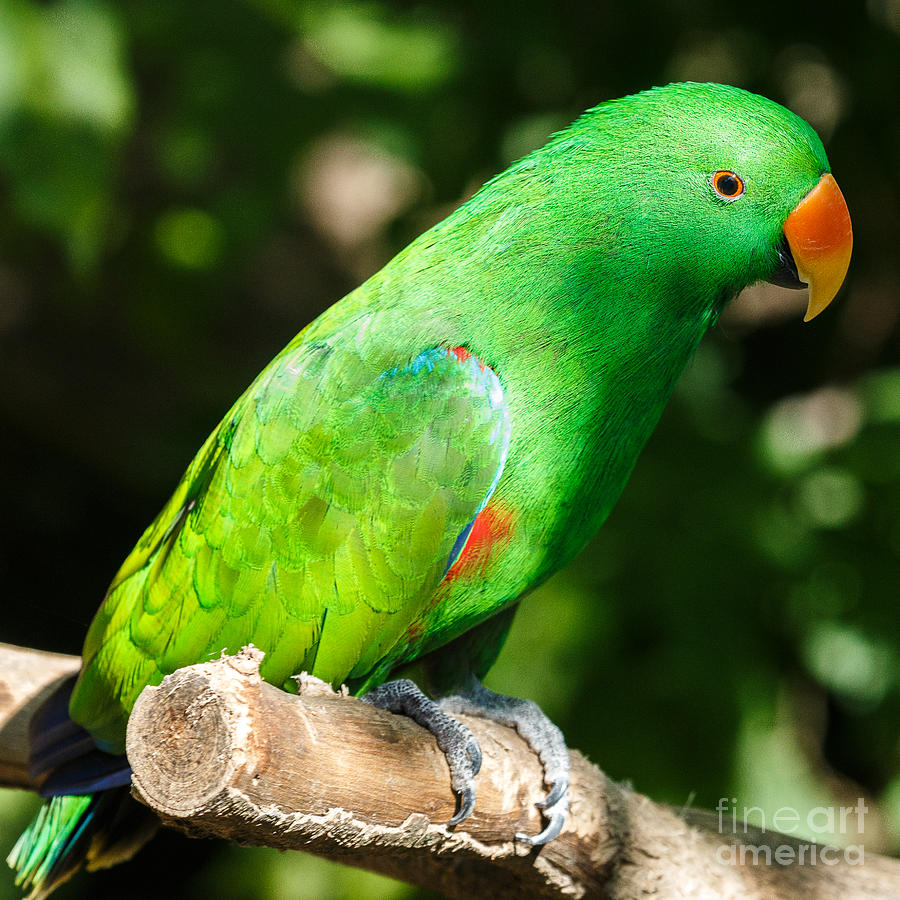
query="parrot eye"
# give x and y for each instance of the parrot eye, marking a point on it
(726, 184)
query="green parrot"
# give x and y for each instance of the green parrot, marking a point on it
(442, 440)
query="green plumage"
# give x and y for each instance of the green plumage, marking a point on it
(54, 829)
(315, 523)
(319, 520)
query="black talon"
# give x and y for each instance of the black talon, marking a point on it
(466, 799)
(558, 789)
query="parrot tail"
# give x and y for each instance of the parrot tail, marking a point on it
(90, 818)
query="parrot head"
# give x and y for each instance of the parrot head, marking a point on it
(767, 174)
(732, 188)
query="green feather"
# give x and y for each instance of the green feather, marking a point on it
(44, 843)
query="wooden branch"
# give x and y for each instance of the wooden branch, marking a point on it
(26, 678)
(217, 751)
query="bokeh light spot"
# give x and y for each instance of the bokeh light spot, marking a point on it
(190, 238)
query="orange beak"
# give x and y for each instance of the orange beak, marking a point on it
(819, 234)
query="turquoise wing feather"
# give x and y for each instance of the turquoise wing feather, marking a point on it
(316, 523)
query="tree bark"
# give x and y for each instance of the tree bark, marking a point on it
(27, 678)
(217, 751)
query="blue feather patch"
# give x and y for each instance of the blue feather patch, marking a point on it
(63, 757)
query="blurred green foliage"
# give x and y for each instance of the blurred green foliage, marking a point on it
(185, 185)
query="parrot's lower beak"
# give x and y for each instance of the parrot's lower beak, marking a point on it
(818, 241)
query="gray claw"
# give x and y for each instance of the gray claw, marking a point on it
(455, 740)
(554, 827)
(539, 732)
(556, 792)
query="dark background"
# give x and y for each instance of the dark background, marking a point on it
(183, 186)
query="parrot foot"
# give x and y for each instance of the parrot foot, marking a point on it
(457, 743)
(539, 733)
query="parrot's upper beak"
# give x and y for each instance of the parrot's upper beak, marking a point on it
(818, 241)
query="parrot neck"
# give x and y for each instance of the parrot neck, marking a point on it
(594, 392)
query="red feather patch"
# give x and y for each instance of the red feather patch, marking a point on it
(464, 353)
(492, 526)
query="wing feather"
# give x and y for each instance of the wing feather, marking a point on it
(316, 523)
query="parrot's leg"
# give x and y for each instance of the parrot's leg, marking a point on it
(454, 739)
(539, 733)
